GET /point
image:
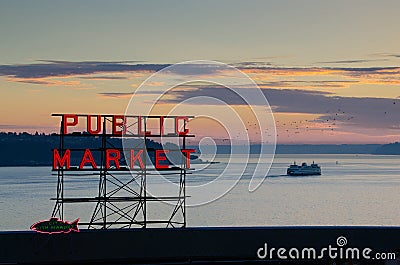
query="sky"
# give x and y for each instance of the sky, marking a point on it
(330, 70)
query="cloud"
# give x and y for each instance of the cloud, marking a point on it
(116, 94)
(376, 75)
(309, 84)
(95, 70)
(369, 70)
(250, 64)
(344, 111)
(351, 61)
(359, 75)
(195, 69)
(92, 62)
(46, 82)
(383, 54)
(278, 97)
(65, 68)
(56, 73)
(103, 77)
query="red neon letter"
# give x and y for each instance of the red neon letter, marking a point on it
(136, 157)
(66, 159)
(66, 123)
(186, 153)
(161, 125)
(117, 124)
(87, 158)
(89, 124)
(161, 158)
(114, 158)
(140, 132)
(185, 131)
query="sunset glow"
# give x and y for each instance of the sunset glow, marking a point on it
(320, 91)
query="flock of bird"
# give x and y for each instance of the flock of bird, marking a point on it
(326, 123)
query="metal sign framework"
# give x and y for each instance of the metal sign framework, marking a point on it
(122, 199)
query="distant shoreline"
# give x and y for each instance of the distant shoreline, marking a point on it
(36, 150)
(355, 154)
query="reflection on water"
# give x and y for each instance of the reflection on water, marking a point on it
(353, 190)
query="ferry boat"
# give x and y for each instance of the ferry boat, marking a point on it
(304, 169)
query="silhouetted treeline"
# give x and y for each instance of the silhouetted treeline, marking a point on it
(388, 149)
(24, 149)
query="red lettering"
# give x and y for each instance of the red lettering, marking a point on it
(66, 123)
(140, 132)
(89, 124)
(161, 125)
(114, 158)
(161, 158)
(136, 157)
(177, 119)
(117, 124)
(87, 158)
(66, 159)
(187, 152)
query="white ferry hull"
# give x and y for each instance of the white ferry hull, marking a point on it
(304, 170)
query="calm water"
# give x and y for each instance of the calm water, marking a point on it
(359, 190)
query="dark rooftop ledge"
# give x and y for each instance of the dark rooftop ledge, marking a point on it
(184, 245)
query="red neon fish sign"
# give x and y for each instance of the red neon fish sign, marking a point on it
(55, 226)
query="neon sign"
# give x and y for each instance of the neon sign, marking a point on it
(55, 226)
(120, 126)
(108, 155)
(113, 157)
